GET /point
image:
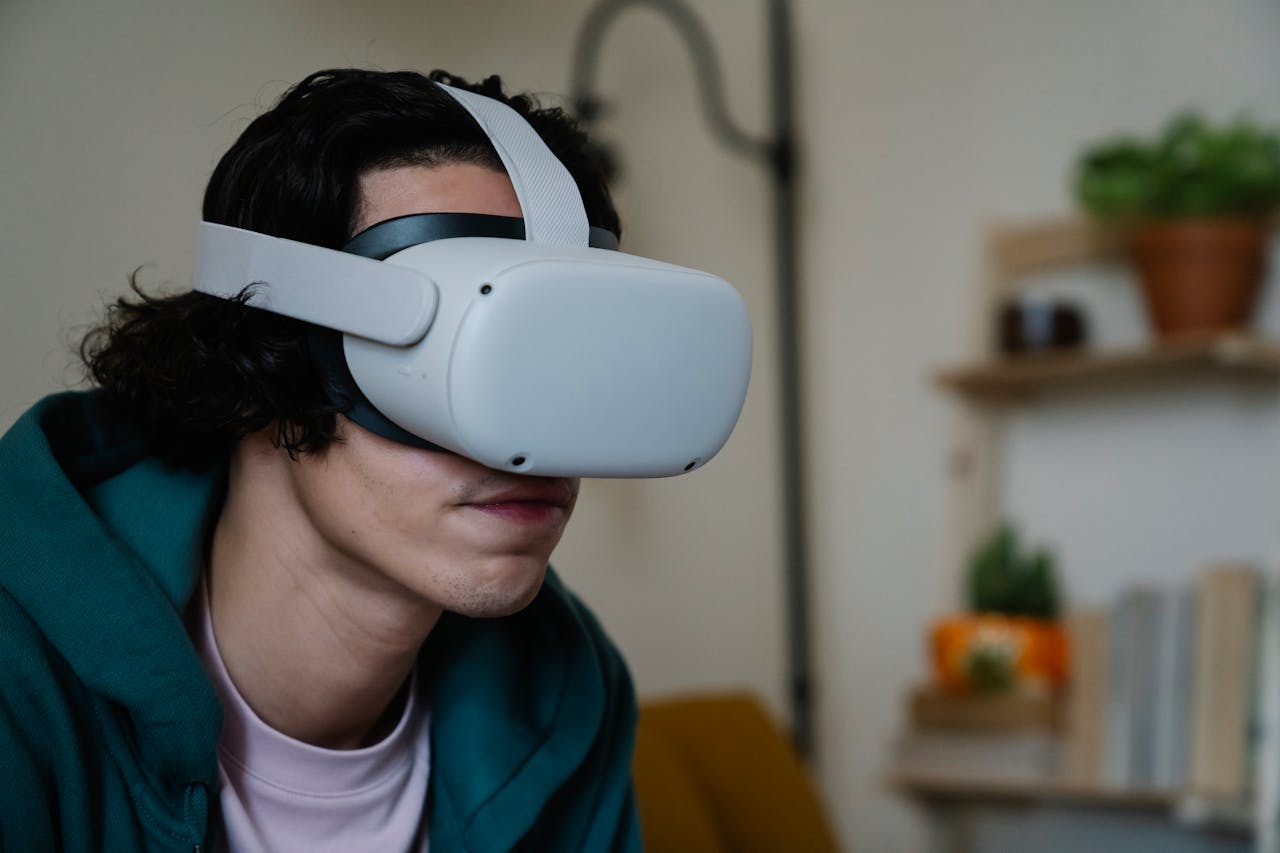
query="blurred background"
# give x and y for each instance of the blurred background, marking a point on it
(938, 144)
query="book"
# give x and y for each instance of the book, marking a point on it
(1266, 728)
(1117, 770)
(1224, 662)
(1147, 689)
(1143, 665)
(1086, 712)
(1173, 666)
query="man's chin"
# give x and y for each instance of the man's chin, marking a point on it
(509, 592)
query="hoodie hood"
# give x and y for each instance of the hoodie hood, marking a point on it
(99, 546)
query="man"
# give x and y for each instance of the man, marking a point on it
(232, 617)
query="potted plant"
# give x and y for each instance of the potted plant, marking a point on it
(1010, 636)
(1195, 203)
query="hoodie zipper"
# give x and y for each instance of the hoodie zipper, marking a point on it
(196, 813)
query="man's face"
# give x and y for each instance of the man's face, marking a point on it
(444, 528)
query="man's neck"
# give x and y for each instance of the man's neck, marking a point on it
(318, 644)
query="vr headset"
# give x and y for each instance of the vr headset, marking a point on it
(528, 345)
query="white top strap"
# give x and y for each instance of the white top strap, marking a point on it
(549, 197)
(360, 296)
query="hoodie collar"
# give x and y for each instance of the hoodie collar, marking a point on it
(518, 703)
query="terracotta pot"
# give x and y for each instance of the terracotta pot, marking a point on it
(1199, 276)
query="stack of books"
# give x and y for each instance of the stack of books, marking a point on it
(1174, 689)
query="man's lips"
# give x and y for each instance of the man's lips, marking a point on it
(555, 492)
(535, 501)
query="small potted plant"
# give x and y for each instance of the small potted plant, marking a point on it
(1010, 637)
(1195, 204)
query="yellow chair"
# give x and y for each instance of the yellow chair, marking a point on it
(714, 774)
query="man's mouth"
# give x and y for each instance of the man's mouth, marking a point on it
(534, 502)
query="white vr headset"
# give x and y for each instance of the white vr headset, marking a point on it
(550, 353)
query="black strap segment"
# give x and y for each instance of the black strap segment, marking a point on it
(326, 351)
(384, 239)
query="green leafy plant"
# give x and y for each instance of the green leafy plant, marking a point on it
(1003, 578)
(1193, 168)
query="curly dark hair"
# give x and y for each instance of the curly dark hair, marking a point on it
(197, 373)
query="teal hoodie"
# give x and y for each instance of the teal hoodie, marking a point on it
(109, 728)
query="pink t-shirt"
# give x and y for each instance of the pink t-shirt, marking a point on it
(280, 794)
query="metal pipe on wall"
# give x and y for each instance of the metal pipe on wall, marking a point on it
(777, 154)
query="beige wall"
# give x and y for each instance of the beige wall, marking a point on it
(920, 119)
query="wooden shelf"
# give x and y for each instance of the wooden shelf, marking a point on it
(1020, 377)
(1187, 808)
(1028, 791)
(975, 796)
